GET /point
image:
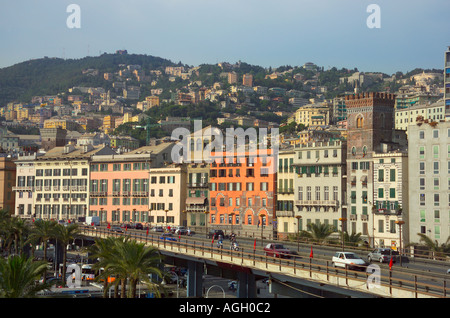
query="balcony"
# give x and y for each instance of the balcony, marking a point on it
(285, 190)
(330, 203)
(198, 185)
(22, 188)
(140, 194)
(99, 194)
(284, 213)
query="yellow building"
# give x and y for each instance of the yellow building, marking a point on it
(63, 124)
(312, 115)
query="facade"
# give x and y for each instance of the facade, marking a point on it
(429, 181)
(370, 130)
(62, 182)
(243, 191)
(53, 137)
(409, 116)
(167, 198)
(391, 203)
(447, 83)
(7, 179)
(25, 185)
(286, 221)
(119, 184)
(320, 183)
(247, 80)
(312, 115)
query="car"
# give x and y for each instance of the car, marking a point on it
(157, 229)
(278, 250)
(348, 260)
(382, 255)
(138, 226)
(167, 237)
(216, 233)
(117, 229)
(127, 226)
(181, 230)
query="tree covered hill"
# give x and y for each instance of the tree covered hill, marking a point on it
(48, 76)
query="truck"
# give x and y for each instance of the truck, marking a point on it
(92, 220)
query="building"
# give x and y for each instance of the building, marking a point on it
(232, 78)
(312, 115)
(409, 116)
(429, 181)
(319, 183)
(62, 182)
(447, 83)
(370, 127)
(285, 216)
(391, 198)
(167, 198)
(7, 181)
(243, 191)
(409, 100)
(124, 142)
(53, 137)
(247, 80)
(119, 184)
(25, 185)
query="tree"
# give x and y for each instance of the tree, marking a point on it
(353, 239)
(65, 234)
(42, 231)
(318, 232)
(127, 260)
(19, 275)
(439, 250)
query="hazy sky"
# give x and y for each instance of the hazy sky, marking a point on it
(412, 33)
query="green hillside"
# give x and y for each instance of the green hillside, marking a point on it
(48, 76)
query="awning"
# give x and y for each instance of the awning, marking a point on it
(195, 200)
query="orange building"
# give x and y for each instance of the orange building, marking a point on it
(243, 190)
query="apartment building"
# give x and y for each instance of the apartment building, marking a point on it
(409, 116)
(320, 184)
(119, 184)
(167, 198)
(286, 221)
(25, 185)
(447, 82)
(391, 199)
(61, 181)
(429, 180)
(312, 115)
(7, 179)
(243, 190)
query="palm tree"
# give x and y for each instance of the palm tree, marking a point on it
(353, 239)
(440, 250)
(19, 275)
(65, 234)
(43, 230)
(318, 232)
(127, 260)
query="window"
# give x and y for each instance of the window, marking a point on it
(392, 175)
(436, 167)
(380, 175)
(422, 152)
(422, 167)
(436, 199)
(380, 226)
(422, 183)
(380, 193)
(421, 134)
(359, 121)
(436, 152)
(392, 193)
(435, 133)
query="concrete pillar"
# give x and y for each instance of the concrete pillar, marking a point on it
(194, 279)
(246, 285)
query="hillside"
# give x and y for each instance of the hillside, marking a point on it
(48, 76)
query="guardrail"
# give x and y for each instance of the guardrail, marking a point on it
(403, 286)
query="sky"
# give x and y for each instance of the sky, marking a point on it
(330, 33)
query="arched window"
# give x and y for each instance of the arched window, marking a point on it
(359, 121)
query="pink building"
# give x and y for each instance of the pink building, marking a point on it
(119, 184)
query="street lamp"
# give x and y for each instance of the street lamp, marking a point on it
(342, 231)
(232, 221)
(150, 218)
(262, 228)
(166, 217)
(298, 217)
(206, 222)
(400, 223)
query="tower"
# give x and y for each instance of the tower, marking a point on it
(370, 124)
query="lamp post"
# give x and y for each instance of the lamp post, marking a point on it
(342, 230)
(400, 223)
(232, 221)
(150, 218)
(298, 217)
(166, 217)
(206, 222)
(262, 228)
